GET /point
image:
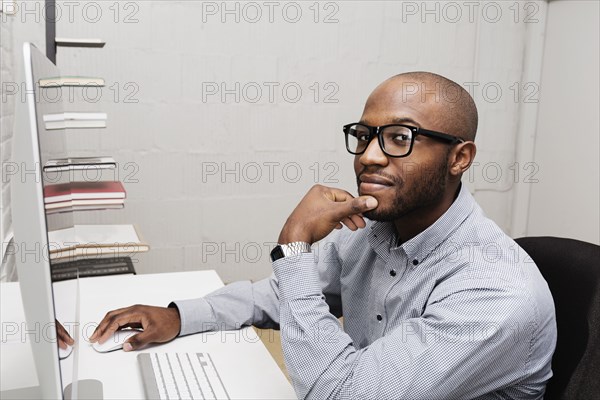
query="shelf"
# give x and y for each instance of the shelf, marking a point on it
(77, 42)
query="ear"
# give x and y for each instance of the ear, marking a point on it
(461, 158)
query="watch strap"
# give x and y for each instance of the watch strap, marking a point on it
(289, 249)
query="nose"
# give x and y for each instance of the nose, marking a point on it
(373, 155)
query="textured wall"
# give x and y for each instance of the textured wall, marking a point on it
(566, 200)
(222, 115)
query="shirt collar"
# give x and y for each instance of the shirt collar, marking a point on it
(382, 237)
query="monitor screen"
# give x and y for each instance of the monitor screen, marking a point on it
(35, 145)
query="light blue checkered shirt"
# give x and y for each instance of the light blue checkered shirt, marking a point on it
(459, 311)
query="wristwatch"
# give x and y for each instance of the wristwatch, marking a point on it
(289, 249)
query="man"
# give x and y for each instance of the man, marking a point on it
(437, 301)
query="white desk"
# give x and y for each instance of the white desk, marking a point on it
(245, 365)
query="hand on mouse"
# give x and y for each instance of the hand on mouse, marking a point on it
(63, 336)
(160, 325)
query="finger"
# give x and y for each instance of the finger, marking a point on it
(339, 226)
(63, 336)
(355, 206)
(348, 222)
(338, 195)
(363, 203)
(102, 326)
(119, 321)
(140, 340)
(62, 344)
(134, 325)
(358, 220)
(359, 204)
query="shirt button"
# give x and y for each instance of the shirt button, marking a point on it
(415, 262)
(379, 317)
(393, 272)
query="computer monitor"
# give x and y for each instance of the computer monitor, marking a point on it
(30, 229)
(33, 146)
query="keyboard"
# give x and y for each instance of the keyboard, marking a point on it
(181, 376)
(91, 267)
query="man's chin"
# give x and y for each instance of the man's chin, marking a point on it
(378, 215)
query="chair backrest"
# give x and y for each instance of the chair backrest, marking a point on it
(572, 270)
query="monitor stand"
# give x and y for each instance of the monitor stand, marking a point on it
(88, 389)
(33, 392)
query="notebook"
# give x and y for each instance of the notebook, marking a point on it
(95, 240)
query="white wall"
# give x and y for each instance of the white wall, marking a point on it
(14, 29)
(566, 200)
(7, 114)
(176, 134)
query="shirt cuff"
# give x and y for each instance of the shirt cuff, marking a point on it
(297, 276)
(195, 315)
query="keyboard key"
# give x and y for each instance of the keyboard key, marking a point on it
(181, 376)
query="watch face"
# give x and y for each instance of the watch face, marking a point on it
(277, 253)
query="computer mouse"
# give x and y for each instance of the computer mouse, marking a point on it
(116, 341)
(64, 353)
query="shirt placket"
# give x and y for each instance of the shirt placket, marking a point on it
(387, 274)
(396, 267)
(376, 294)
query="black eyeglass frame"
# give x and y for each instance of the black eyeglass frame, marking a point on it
(375, 131)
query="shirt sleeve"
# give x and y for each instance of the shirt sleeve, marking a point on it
(232, 307)
(462, 346)
(245, 303)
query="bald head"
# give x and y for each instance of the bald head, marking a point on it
(448, 103)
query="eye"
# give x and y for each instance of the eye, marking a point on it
(360, 134)
(401, 138)
(397, 136)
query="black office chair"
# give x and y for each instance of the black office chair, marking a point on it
(572, 270)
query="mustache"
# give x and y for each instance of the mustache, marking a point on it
(396, 180)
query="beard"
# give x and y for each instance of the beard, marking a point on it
(427, 189)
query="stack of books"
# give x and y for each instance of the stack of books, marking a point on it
(59, 81)
(94, 241)
(78, 196)
(74, 120)
(79, 163)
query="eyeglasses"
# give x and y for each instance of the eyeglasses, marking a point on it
(395, 140)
